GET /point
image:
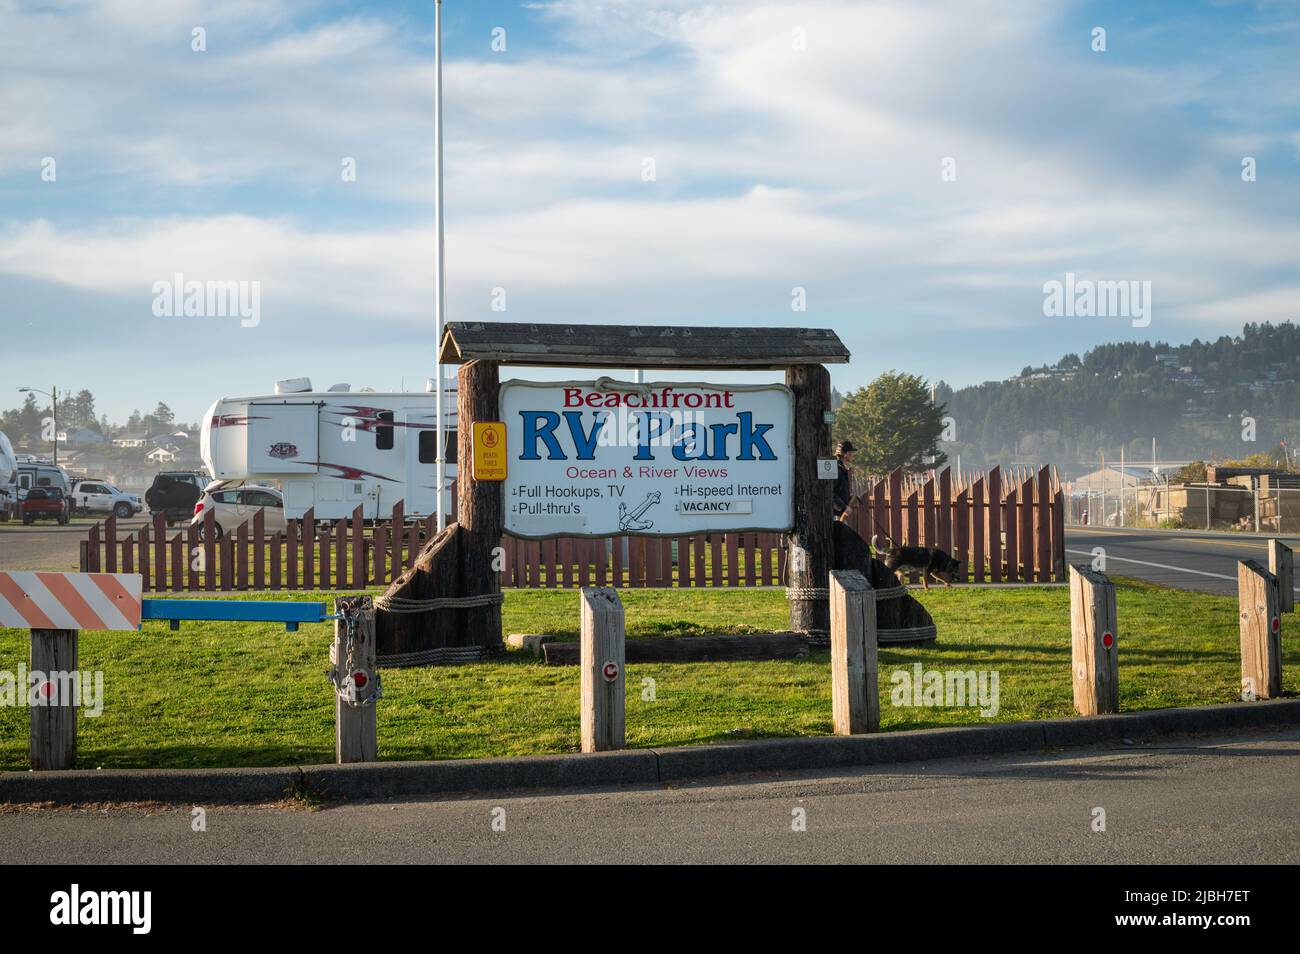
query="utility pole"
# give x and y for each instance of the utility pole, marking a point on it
(53, 395)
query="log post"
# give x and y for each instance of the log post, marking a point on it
(1281, 566)
(855, 694)
(54, 716)
(601, 665)
(810, 542)
(1094, 642)
(1261, 632)
(479, 503)
(356, 680)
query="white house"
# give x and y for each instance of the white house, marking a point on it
(81, 436)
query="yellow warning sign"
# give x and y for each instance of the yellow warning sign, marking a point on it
(489, 450)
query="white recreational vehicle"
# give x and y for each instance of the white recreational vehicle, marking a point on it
(332, 450)
(8, 478)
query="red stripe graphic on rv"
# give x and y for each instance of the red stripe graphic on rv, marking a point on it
(234, 420)
(348, 473)
(367, 418)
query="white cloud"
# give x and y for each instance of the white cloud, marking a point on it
(775, 166)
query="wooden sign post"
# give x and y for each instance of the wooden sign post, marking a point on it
(1261, 632)
(1094, 642)
(54, 718)
(855, 693)
(601, 664)
(1280, 565)
(480, 347)
(480, 506)
(810, 543)
(356, 680)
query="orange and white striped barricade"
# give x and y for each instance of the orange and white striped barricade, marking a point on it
(56, 607)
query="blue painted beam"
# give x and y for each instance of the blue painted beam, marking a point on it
(235, 611)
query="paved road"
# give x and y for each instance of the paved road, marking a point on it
(1185, 559)
(47, 546)
(1226, 801)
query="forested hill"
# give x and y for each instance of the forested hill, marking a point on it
(1191, 398)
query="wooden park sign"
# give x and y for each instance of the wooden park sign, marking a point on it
(458, 565)
(603, 458)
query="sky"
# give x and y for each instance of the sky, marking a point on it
(910, 173)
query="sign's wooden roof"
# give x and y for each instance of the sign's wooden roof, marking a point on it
(639, 346)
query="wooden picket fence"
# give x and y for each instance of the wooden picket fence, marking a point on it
(964, 515)
(1002, 528)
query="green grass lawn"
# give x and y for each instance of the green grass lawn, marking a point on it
(252, 694)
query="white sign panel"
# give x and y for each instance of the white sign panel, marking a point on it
(608, 458)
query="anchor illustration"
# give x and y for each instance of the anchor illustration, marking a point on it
(629, 521)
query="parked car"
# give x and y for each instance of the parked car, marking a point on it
(44, 503)
(233, 505)
(174, 493)
(97, 496)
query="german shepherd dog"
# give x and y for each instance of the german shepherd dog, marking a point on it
(924, 560)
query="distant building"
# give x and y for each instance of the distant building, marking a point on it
(81, 437)
(1112, 478)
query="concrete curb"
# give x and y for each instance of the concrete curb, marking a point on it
(630, 766)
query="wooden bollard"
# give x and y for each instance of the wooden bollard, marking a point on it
(601, 662)
(855, 693)
(1280, 565)
(54, 719)
(356, 681)
(1094, 642)
(1261, 632)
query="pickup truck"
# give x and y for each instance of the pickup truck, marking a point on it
(44, 503)
(97, 496)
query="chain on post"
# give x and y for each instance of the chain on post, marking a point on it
(347, 685)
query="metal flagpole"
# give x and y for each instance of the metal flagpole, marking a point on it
(439, 282)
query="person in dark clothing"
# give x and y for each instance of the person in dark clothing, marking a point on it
(844, 478)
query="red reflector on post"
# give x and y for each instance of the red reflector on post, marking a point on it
(359, 679)
(1277, 624)
(1107, 640)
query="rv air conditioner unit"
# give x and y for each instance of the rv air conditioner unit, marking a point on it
(293, 385)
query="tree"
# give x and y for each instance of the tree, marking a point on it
(77, 411)
(160, 419)
(893, 424)
(24, 424)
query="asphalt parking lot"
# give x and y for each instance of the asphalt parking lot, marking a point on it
(47, 546)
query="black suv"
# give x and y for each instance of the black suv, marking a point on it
(174, 494)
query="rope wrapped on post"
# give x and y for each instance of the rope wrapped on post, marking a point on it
(885, 637)
(823, 593)
(401, 604)
(436, 657)
(441, 655)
